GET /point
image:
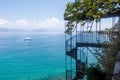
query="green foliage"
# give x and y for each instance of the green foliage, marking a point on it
(69, 27)
(81, 10)
(108, 56)
(94, 72)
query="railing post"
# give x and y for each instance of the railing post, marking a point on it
(76, 33)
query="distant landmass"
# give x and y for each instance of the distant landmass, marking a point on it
(9, 30)
(19, 30)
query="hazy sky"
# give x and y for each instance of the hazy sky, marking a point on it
(44, 15)
(32, 14)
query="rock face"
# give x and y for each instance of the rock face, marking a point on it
(117, 25)
(116, 73)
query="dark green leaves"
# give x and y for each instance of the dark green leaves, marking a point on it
(81, 10)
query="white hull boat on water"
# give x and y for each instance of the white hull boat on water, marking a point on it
(27, 39)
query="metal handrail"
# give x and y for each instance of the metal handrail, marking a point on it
(95, 36)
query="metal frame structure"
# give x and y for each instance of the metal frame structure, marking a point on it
(79, 43)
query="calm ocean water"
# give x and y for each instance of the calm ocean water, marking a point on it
(42, 58)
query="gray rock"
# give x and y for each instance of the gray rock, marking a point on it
(116, 73)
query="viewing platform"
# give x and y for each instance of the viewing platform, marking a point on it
(90, 39)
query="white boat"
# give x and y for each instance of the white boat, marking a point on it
(27, 39)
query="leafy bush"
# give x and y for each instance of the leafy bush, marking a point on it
(94, 72)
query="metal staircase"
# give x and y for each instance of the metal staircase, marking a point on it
(71, 50)
(93, 42)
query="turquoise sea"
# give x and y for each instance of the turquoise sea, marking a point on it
(42, 58)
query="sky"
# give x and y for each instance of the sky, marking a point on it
(32, 14)
(44, 15)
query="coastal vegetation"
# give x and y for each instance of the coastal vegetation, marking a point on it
(94, 72)
(109, 55)
(107, 60)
